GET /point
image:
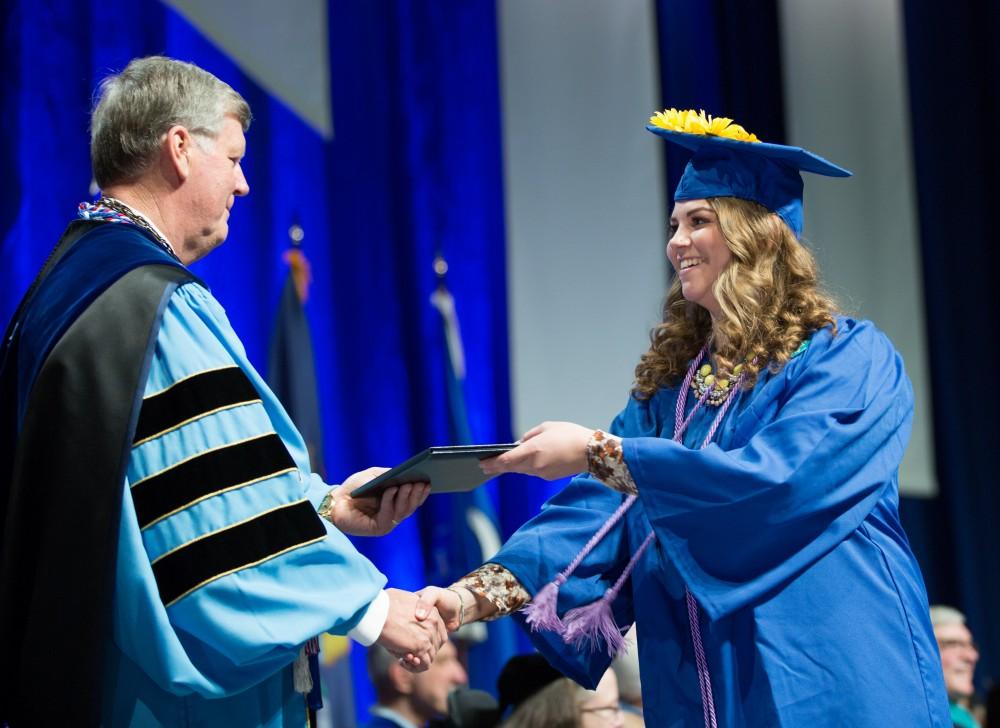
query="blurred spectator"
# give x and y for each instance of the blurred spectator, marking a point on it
(522, 677)
(469, 708)
(564, 704)
(959, 656)
(410, 700)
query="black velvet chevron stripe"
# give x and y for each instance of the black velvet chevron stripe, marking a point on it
(191, 398)
(205, 475)
(238, 547)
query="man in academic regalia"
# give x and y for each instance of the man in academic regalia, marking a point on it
(163, 534)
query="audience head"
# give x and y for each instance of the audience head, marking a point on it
(418, 697)
(563, 704)
(959, 654)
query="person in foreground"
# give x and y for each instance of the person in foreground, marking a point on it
(742, 508)
(164, 558)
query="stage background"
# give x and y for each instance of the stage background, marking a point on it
(509, 137)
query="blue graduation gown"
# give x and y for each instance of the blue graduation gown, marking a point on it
(786, 531)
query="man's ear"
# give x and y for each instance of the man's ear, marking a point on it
(401, 678)
(176, 151)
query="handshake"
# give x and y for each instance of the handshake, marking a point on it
(418, 623)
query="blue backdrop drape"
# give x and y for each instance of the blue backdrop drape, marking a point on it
(415, 165)
(953, 62)
(724, 57)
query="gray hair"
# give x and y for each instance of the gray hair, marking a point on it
(136, 107)
(942, 614)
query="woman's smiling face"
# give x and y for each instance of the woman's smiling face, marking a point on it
(698, 251)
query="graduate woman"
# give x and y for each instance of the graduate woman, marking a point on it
(742, 508)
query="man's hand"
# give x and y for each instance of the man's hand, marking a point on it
(551, 450)
(378, 514)
(415, 642)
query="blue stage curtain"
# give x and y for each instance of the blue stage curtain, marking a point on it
(415, 165)
(724, 57)
(953, 61)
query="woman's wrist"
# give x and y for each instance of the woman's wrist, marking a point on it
(606, 462)
(475, 607)
(497, 592)
(464, 615)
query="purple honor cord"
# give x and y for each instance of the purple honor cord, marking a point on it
(590, 623)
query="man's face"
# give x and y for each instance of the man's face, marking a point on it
(958, 658)
(431, 688)
(216, 180)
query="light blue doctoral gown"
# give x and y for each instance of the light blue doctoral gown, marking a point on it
(786, 531)
(221, 654)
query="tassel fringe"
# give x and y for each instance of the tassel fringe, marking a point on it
(301, 677)
(540, 613)
(589, 625)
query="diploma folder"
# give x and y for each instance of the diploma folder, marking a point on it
(451, 469)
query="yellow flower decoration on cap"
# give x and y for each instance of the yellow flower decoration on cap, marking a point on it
(690, 121)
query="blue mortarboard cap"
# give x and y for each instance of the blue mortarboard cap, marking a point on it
(729, 162)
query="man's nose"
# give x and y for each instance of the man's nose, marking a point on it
(242, 186)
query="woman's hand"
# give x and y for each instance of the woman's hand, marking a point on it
(551, 450)
(455, 609)
(457, 605)
(375, 515)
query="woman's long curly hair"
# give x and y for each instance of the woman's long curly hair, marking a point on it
(769, 296)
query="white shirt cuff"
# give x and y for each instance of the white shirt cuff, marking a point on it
(370, 627)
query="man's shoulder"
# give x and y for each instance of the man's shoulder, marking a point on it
(382, 717)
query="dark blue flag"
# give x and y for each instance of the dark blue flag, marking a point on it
(292, 376)
(465, 532)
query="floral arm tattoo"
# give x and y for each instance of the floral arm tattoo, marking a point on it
(498, 586)
(606, 462)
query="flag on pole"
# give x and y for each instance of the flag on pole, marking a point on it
(292, 377)
(465, 532)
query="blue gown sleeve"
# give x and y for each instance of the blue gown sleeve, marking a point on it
(545, 545)
(821, 443)
(212, 595)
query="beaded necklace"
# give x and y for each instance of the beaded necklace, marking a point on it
(112, 210)
(717, 387)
